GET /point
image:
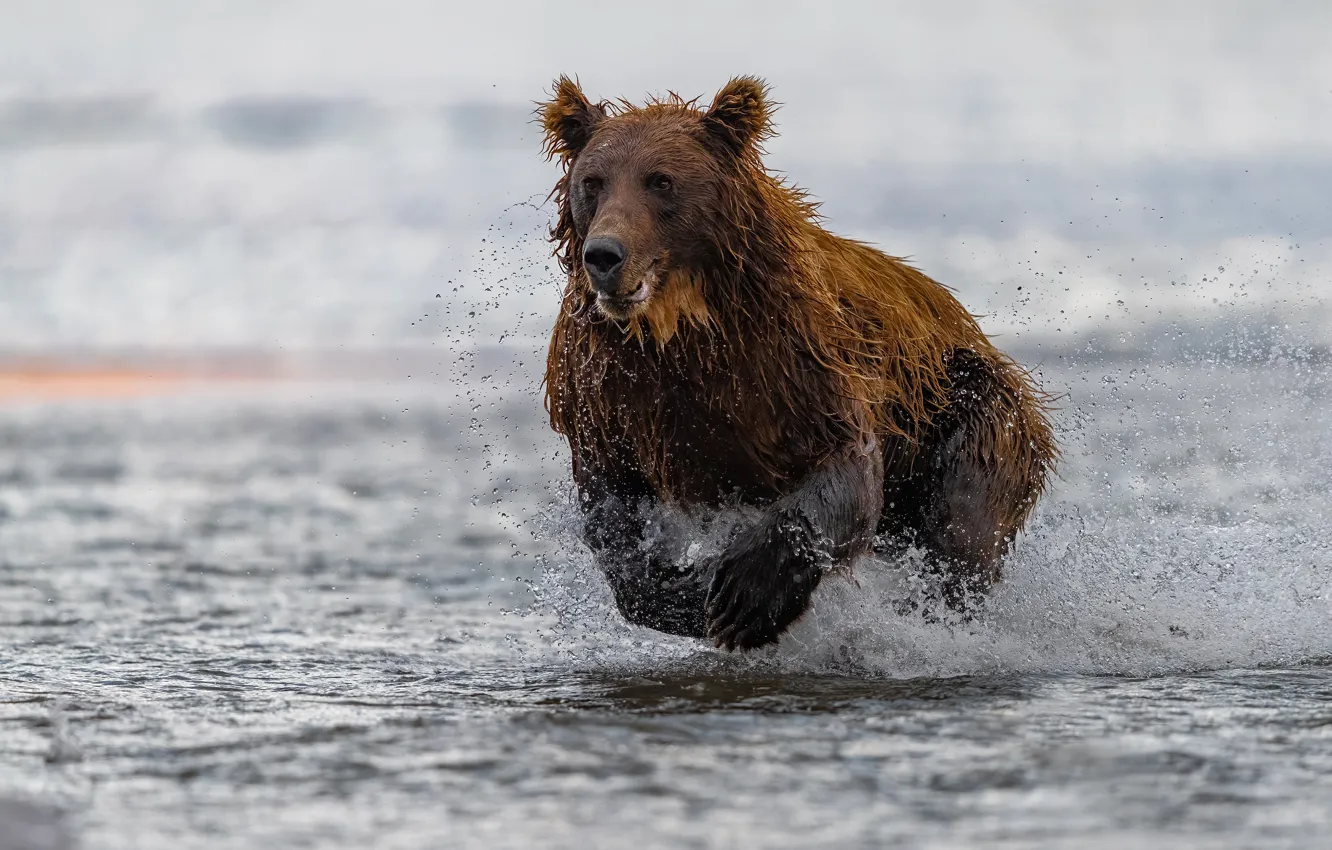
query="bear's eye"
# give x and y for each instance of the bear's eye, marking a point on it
(660, 183)
(591, 185)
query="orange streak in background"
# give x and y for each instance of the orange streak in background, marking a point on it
(52, 380)
(31, 386)
(88, 375)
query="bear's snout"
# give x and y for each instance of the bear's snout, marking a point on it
(603, 257)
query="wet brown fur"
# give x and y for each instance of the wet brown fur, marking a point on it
(744, 373)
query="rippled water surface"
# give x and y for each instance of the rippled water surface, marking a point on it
(352, 616)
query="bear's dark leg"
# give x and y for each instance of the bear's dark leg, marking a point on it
(765, 577)
(649, 590)
(962, 531)
(972, 496)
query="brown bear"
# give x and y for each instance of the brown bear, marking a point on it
(717, 346)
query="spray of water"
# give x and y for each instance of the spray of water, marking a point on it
(1080, 595)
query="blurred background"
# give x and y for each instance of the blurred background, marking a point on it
(274, 611)
(279, 183)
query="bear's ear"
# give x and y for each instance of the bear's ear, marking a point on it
(568, 119)
(740, 116)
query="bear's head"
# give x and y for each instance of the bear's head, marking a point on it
(648, 196)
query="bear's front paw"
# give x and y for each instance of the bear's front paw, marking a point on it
(762, 585)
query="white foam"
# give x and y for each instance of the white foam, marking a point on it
(1082, 594)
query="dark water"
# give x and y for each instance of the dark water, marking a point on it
(352, 616)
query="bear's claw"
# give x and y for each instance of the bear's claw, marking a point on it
(758, 591)
(736, 619)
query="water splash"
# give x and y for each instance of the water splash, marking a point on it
(1082, 594)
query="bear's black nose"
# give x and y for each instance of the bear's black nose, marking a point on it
(603, 257)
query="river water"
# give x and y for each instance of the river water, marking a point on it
(353, 614)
